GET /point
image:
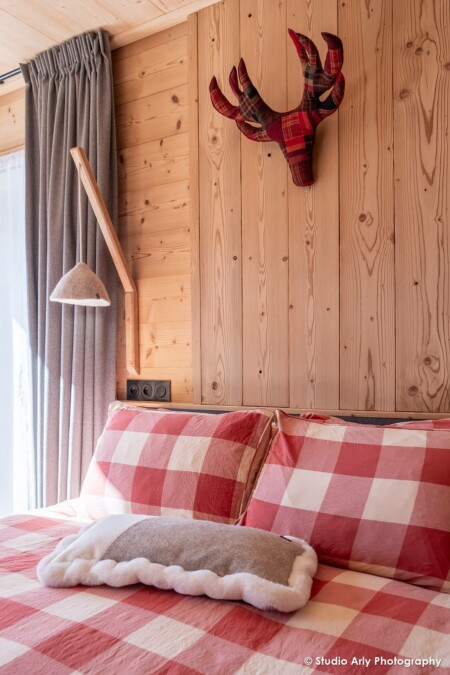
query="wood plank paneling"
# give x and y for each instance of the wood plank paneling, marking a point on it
(265, 215)
(422, 180)
(153, 70)
(220, 217)
(367, 305)
(314, 238)
(301, 284)
(12, 121)
(165, 298)
(162, 37)
(154, 163)
(194, 205)
(152, 117)
(166, 203)
(160, 254)
(164, 212)
(154, 206)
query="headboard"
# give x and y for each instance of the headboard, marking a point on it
(358, 416)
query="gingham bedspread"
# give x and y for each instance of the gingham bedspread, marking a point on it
(354, 623)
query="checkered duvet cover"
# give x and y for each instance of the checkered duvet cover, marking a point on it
(354, 623)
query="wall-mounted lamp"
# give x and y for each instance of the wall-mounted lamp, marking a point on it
(80, 286)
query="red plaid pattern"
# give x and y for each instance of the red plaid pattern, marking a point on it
(370, 498)
(351, 616)
(428, 425)
(175, 464)
(294, 130)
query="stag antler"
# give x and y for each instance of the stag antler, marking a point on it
(293, 130)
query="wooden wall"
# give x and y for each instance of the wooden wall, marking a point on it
(150, 78)
(12, 121)
(330, 297)
(335, 296)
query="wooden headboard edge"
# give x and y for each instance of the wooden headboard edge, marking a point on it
(347, 414)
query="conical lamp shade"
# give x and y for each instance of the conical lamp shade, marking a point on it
(80, 286)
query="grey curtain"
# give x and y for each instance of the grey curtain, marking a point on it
(69, 102)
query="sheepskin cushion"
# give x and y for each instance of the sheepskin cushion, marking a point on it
(193, 557)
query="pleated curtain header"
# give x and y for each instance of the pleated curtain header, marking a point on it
(62, 60)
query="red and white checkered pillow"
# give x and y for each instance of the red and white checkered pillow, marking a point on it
(427, 425)
(370, 498)
(175, 463)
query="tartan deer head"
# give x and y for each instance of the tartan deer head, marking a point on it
(294, 130)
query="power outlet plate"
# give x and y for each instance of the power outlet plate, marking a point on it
(148, 390)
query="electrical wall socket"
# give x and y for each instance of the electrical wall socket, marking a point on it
(148, 390)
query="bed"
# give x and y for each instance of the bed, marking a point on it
(355, 620)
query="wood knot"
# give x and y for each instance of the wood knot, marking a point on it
(427, 361)
(362, 217)
(409, 44)
(404, 93)
(419, 51)
(235, 257)
(412, 391)
(175, 99)
(285, 258)
(214, 386)
(146, 202)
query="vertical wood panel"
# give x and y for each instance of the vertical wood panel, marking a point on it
(422, 180)
(341, 309)
(12, 121)
(194, 213)
(220, 221)
(265, 215)
(153, 207)
(367, 305)
(314, 237)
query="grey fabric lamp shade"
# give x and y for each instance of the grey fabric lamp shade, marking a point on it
(80, 286)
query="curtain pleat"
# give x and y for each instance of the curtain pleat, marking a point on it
(69, 102)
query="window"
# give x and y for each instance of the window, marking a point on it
(15, 368)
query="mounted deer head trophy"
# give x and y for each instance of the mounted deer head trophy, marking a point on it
(294, 130)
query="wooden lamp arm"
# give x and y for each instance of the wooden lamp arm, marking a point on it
(112, 241)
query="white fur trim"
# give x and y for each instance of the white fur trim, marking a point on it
(76, 561)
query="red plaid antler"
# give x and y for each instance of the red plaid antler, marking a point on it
(294, 130)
